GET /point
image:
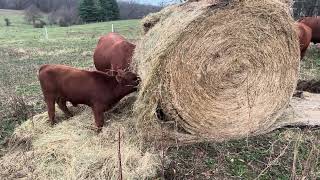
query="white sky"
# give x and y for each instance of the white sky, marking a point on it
(153, 2)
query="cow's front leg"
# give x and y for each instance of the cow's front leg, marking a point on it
(98, 112)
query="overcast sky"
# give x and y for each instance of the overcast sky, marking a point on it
(154, 2)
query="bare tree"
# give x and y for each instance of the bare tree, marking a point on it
(21, 4)
(306, 8)
(64, 16)
(31, 14)
(128, 9)
(133, 10)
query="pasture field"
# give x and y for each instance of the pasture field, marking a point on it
(292, 153)
(23, 49)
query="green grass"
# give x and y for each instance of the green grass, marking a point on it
(23, 49)
(310, 66)
(268, 156)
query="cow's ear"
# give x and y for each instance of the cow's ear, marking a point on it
(119, 78)
(110, 72)
(121, 72)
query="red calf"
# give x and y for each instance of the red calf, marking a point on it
(96, 89)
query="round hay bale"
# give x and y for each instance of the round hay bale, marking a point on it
(220, 69)
(153, 18)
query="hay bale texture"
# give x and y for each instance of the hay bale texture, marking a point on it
(219, 69)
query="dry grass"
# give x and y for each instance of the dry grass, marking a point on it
(152, 19)
(270, 156)
(72, 150)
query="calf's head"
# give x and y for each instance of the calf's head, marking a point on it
(128, 79)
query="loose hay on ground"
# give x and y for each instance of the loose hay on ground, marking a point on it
(72, 150)
(219, 69)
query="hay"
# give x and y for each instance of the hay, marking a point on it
(301, 112)
(153, 18)
(72, 150)
(220, 70)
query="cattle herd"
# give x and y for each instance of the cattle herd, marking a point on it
(308, 31)
(101, 89)
(112, 81)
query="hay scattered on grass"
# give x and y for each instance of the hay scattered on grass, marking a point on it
(153, 18)
(219, 69)
(301, 112)
(72, 150)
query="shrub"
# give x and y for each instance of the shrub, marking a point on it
(64, 17)
(39, 23)
(8, 23)
(32, 14)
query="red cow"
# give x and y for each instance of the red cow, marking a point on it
(305, 34)
(314, 24)
(96, 89)
(113, 52)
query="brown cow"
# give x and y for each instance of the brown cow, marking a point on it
(113, 52)
(60, 83)
(305, 34)
(314, 24)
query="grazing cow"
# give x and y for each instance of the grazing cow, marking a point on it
(305, 34)
(113, 52)
(314, 24)
(96, 89)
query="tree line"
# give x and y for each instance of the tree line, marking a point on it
(303, 8)
(67, 12)
(100, 10)
(44, 5)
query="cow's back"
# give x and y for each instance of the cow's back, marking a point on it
(52, 76)
(112, 52)
(305, 35)
(75, 85)
(54, 72)
(314, 24)
(121, 54)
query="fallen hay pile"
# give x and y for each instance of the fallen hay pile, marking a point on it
(220, 69)
(301, 112)
(72, 150)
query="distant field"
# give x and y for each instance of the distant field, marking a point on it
(23, 49)
(13, 15)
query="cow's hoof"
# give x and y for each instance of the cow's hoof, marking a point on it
(52, 123)
(99, 130)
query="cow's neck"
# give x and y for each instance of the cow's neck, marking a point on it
(122, 91)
